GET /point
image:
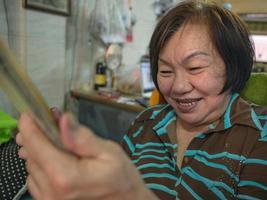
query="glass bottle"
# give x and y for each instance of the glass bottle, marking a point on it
(100, 75)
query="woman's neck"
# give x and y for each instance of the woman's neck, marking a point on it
(193, 130)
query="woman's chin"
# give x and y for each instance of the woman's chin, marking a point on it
(191, 118)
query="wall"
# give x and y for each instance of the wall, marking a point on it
(46, 54)
(38, 41)
(142, 31)
(132, 52)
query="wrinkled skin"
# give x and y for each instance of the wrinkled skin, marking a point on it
(191, 75)
(91, 168)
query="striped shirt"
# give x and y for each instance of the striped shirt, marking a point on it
(229, 161)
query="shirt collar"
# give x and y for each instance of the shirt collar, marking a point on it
(238, 112)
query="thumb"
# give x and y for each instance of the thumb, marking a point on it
(78, 139)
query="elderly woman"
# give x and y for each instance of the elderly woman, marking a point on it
(205, 143)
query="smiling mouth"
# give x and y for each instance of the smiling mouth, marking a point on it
(186, 105)
(187, 101)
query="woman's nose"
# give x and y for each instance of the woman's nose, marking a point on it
(181, 84)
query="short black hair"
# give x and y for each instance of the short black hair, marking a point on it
(228, 33)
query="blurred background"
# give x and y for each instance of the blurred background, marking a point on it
(73, 48)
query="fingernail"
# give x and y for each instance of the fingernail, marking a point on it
(56, 113)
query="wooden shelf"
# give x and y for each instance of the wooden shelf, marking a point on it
(95, 97)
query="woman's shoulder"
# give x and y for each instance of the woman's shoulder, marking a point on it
(248, 113)
(255, 119)
(152, 112)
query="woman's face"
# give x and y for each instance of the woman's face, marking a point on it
(191, 74)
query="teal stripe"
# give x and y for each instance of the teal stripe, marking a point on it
(155, 144)
(217, 166)
(256, 120)
(162, 130)
(189, 189)
(227, 119)
(263, 139)
(214, 156)
(262, 117)
(159, 175)
(209, 183)
(200, 135)
(252, 183)
(212, 126)
(163, 188)
(264, 131)
(246, 197)
(155, 165)
(263, 135)
(164, 120)
(135, 134)
(156, 112)
(150, 150)
(129, 143)
(152, 157)
(255, 161)
(151, 108)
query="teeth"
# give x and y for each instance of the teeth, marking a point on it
(186, 104)
(187, 101)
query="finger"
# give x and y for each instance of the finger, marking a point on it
(38, 178)
(38, 146)
(23, 153)
(41, 180)
(79, 139)
(19, 139)
(33, 188)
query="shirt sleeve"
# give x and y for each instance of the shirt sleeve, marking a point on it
(128, 141)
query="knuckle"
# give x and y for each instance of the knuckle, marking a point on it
(58, 180)
(22, 153)
(62, 184)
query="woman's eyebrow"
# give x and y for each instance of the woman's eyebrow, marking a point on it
(164, 61)
(194, 54)
(184, 60)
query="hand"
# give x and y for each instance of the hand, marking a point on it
(93, 168)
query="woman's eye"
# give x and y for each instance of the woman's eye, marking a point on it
(165, 72)
(195, 69)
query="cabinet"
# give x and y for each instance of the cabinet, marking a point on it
(254, 13)
(106, 117)
(245, 6)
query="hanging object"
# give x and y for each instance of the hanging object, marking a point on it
(161, 6)
(113, 58)
(106, 23)
(227, 5)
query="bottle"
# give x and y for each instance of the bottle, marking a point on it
(100, 75)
